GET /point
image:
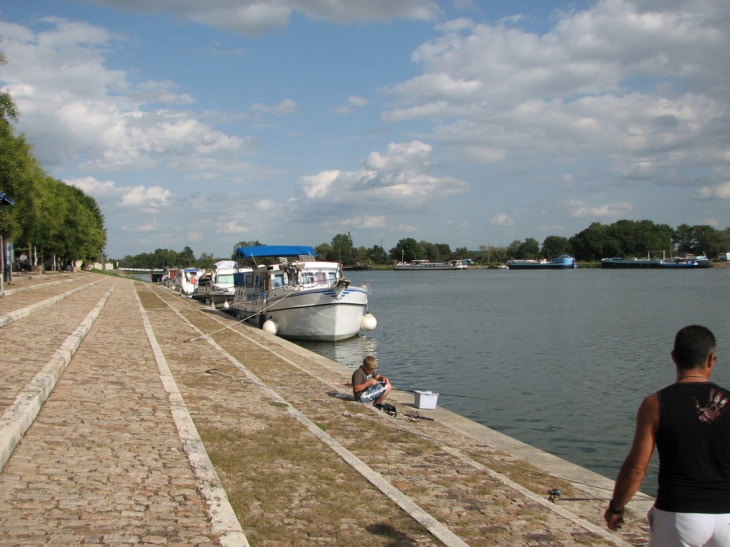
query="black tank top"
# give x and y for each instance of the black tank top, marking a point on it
(693, 441)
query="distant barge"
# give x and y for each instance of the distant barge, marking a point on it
(562, 262)
(682, 262)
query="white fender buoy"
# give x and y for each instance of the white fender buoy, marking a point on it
(368, 322)
(269, 326)
(226, 305)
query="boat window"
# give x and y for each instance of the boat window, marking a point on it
(333, 277)
(321, 278)
(307, 277)
(277, 281)
(225, 278)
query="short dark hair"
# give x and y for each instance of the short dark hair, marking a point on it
(692, 346)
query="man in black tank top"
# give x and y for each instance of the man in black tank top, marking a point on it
(689, 423)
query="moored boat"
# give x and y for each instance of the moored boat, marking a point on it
(302, 299)
(357, 267)
(187, 280)
(217, 288)
(425, 265)
(621, 262)
(562, 262)
(650, 261)
(689, 261)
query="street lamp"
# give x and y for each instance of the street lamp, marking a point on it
(5, 200)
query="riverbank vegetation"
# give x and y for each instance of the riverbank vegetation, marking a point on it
(627, 238)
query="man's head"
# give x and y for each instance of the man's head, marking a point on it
(370, 363)
(692, 346)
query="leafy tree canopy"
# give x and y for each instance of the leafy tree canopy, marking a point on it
(407, 249)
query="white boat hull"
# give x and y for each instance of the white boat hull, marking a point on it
(309, 314)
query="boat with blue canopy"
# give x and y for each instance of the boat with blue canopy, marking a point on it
(299, 297)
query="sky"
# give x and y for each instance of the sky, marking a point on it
(465, 122)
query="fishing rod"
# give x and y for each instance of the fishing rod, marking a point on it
(448, 394)
(440, 392)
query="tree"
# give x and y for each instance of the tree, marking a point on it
(637, 238)
(206, 261)
(186, 257)
(529, 249)
(162, 258)
(699, 239)
(378, 255)
(20, 176)
(512, 248)
(554, 246)
(592, 244)
(342, 246)
(326, 252)
(443, 252)
(8, 110)
(361, 254)
(430, 251)
(407, 249)
(462, 252)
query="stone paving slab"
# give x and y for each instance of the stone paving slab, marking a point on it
(103, 463)
(481, 510)
(31, 293)
(28, 344)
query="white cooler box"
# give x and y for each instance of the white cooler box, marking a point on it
(426, 399)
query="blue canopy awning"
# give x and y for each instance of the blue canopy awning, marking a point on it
(272, 251)
(6, 199)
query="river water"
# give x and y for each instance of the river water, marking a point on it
(557, 359)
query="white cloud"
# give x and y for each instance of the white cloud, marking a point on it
(640, 84)
(365, 222)
(611, 211)
(254, 17)
(501, 219)
(126, 196)
(140, 196)
(318, 185)
(718, 191)
(396, 179)
(90, 113)
(353, 103)
(231, 227)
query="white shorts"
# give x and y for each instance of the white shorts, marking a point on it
(688, 529)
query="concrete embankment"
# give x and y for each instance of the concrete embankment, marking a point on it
(170, 424)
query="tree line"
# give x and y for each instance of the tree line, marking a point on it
(627, 238)
(57, 221)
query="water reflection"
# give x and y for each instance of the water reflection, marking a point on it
(346, 352)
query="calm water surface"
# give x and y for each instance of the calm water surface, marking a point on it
(557, 359)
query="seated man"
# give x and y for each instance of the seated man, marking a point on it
(367, 385)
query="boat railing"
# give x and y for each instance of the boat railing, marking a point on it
(362, 285)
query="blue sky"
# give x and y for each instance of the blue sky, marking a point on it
(471, 123)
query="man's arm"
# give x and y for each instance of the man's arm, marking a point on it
(634, 467)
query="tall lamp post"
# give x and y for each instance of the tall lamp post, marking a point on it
(5, 200)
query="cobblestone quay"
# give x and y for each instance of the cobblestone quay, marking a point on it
(134, 416)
